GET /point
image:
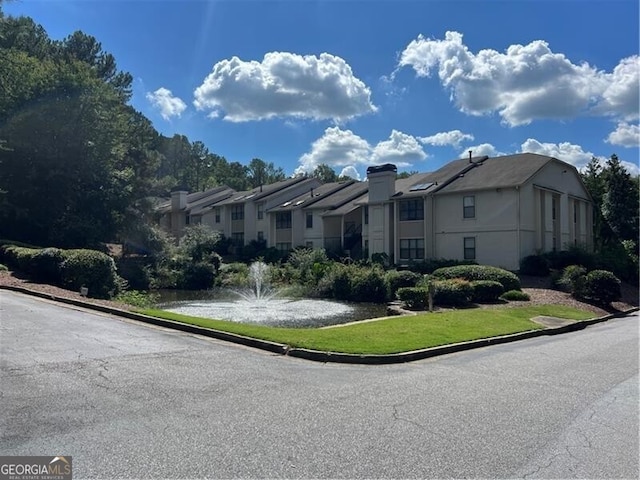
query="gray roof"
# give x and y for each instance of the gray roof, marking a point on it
(264, 191)
(339, 198)
(497, 172)
(198, 199)
(478, 173)
(347, 207)
(314, 195)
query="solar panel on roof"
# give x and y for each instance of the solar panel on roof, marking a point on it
(420, 186)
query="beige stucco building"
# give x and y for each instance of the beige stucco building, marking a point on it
(492, 210)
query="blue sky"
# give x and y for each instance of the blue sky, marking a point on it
(357, 83)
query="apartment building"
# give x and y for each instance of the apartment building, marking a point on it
(491, 210)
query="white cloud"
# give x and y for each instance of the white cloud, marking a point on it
(350, 172)
(565, 151)
(625, 135)
(284, 85)
(481, 150)
(343, 148)
(400, 149)
(336, 147)
(167, 103)
(622, 96)
(526, 82)
(441, 139)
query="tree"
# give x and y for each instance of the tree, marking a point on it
(325, 173)
(262, 173)
(620, 200)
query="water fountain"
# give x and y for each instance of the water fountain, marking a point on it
(262, 304)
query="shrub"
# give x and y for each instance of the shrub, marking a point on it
(367, 285)
(572, 280)
(602, 286)
(47, 265)
(136, 271)
(486, 291)
(536, 265)
(20, 258)
(3, 268)
(92, 269)
(574, 255)
(309, 264)
(516, 296)
(199, 242)
(137, 298)
(395, 279)
(430, 265)
(413, 298)
(195, 275)
(453, 292)
(508, 280)
(339, 282)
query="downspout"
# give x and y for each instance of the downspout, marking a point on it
(518, 225)
(433, 226)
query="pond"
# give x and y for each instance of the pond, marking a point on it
(271, 310)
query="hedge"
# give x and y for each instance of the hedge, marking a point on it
(454, 292)
(486, 291)
(413, 298)
(471, 273)
(536, 265)
(395, 279)
(70, 269)
(92, 269)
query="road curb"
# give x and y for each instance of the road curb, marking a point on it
(317, 355)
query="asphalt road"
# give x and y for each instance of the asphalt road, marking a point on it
(129, 400)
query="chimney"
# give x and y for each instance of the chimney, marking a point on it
(470, 155)
(178, 200)
(312, 192)
(382, 182)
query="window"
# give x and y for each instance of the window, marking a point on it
(309, 244)
(411, 248)
(283, 220)
(366, 214)
(309, 220)
(260, 210)
(469, 248)
(260, 236)
(187, 220)
(238, 238)
(469, 207)
(237, 212)
(411, 210)
(366, 249)
(283, 247)
(217, 215)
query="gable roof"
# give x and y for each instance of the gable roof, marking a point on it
(315, 194)
(498, 172)
(342, 196)
(264, 191)
(199, 199)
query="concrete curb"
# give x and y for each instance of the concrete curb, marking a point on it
(320, 356)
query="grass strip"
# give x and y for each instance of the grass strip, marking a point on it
(396, 334)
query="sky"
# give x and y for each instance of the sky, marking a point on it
(358, 83)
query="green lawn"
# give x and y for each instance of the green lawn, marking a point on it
(396, 334)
